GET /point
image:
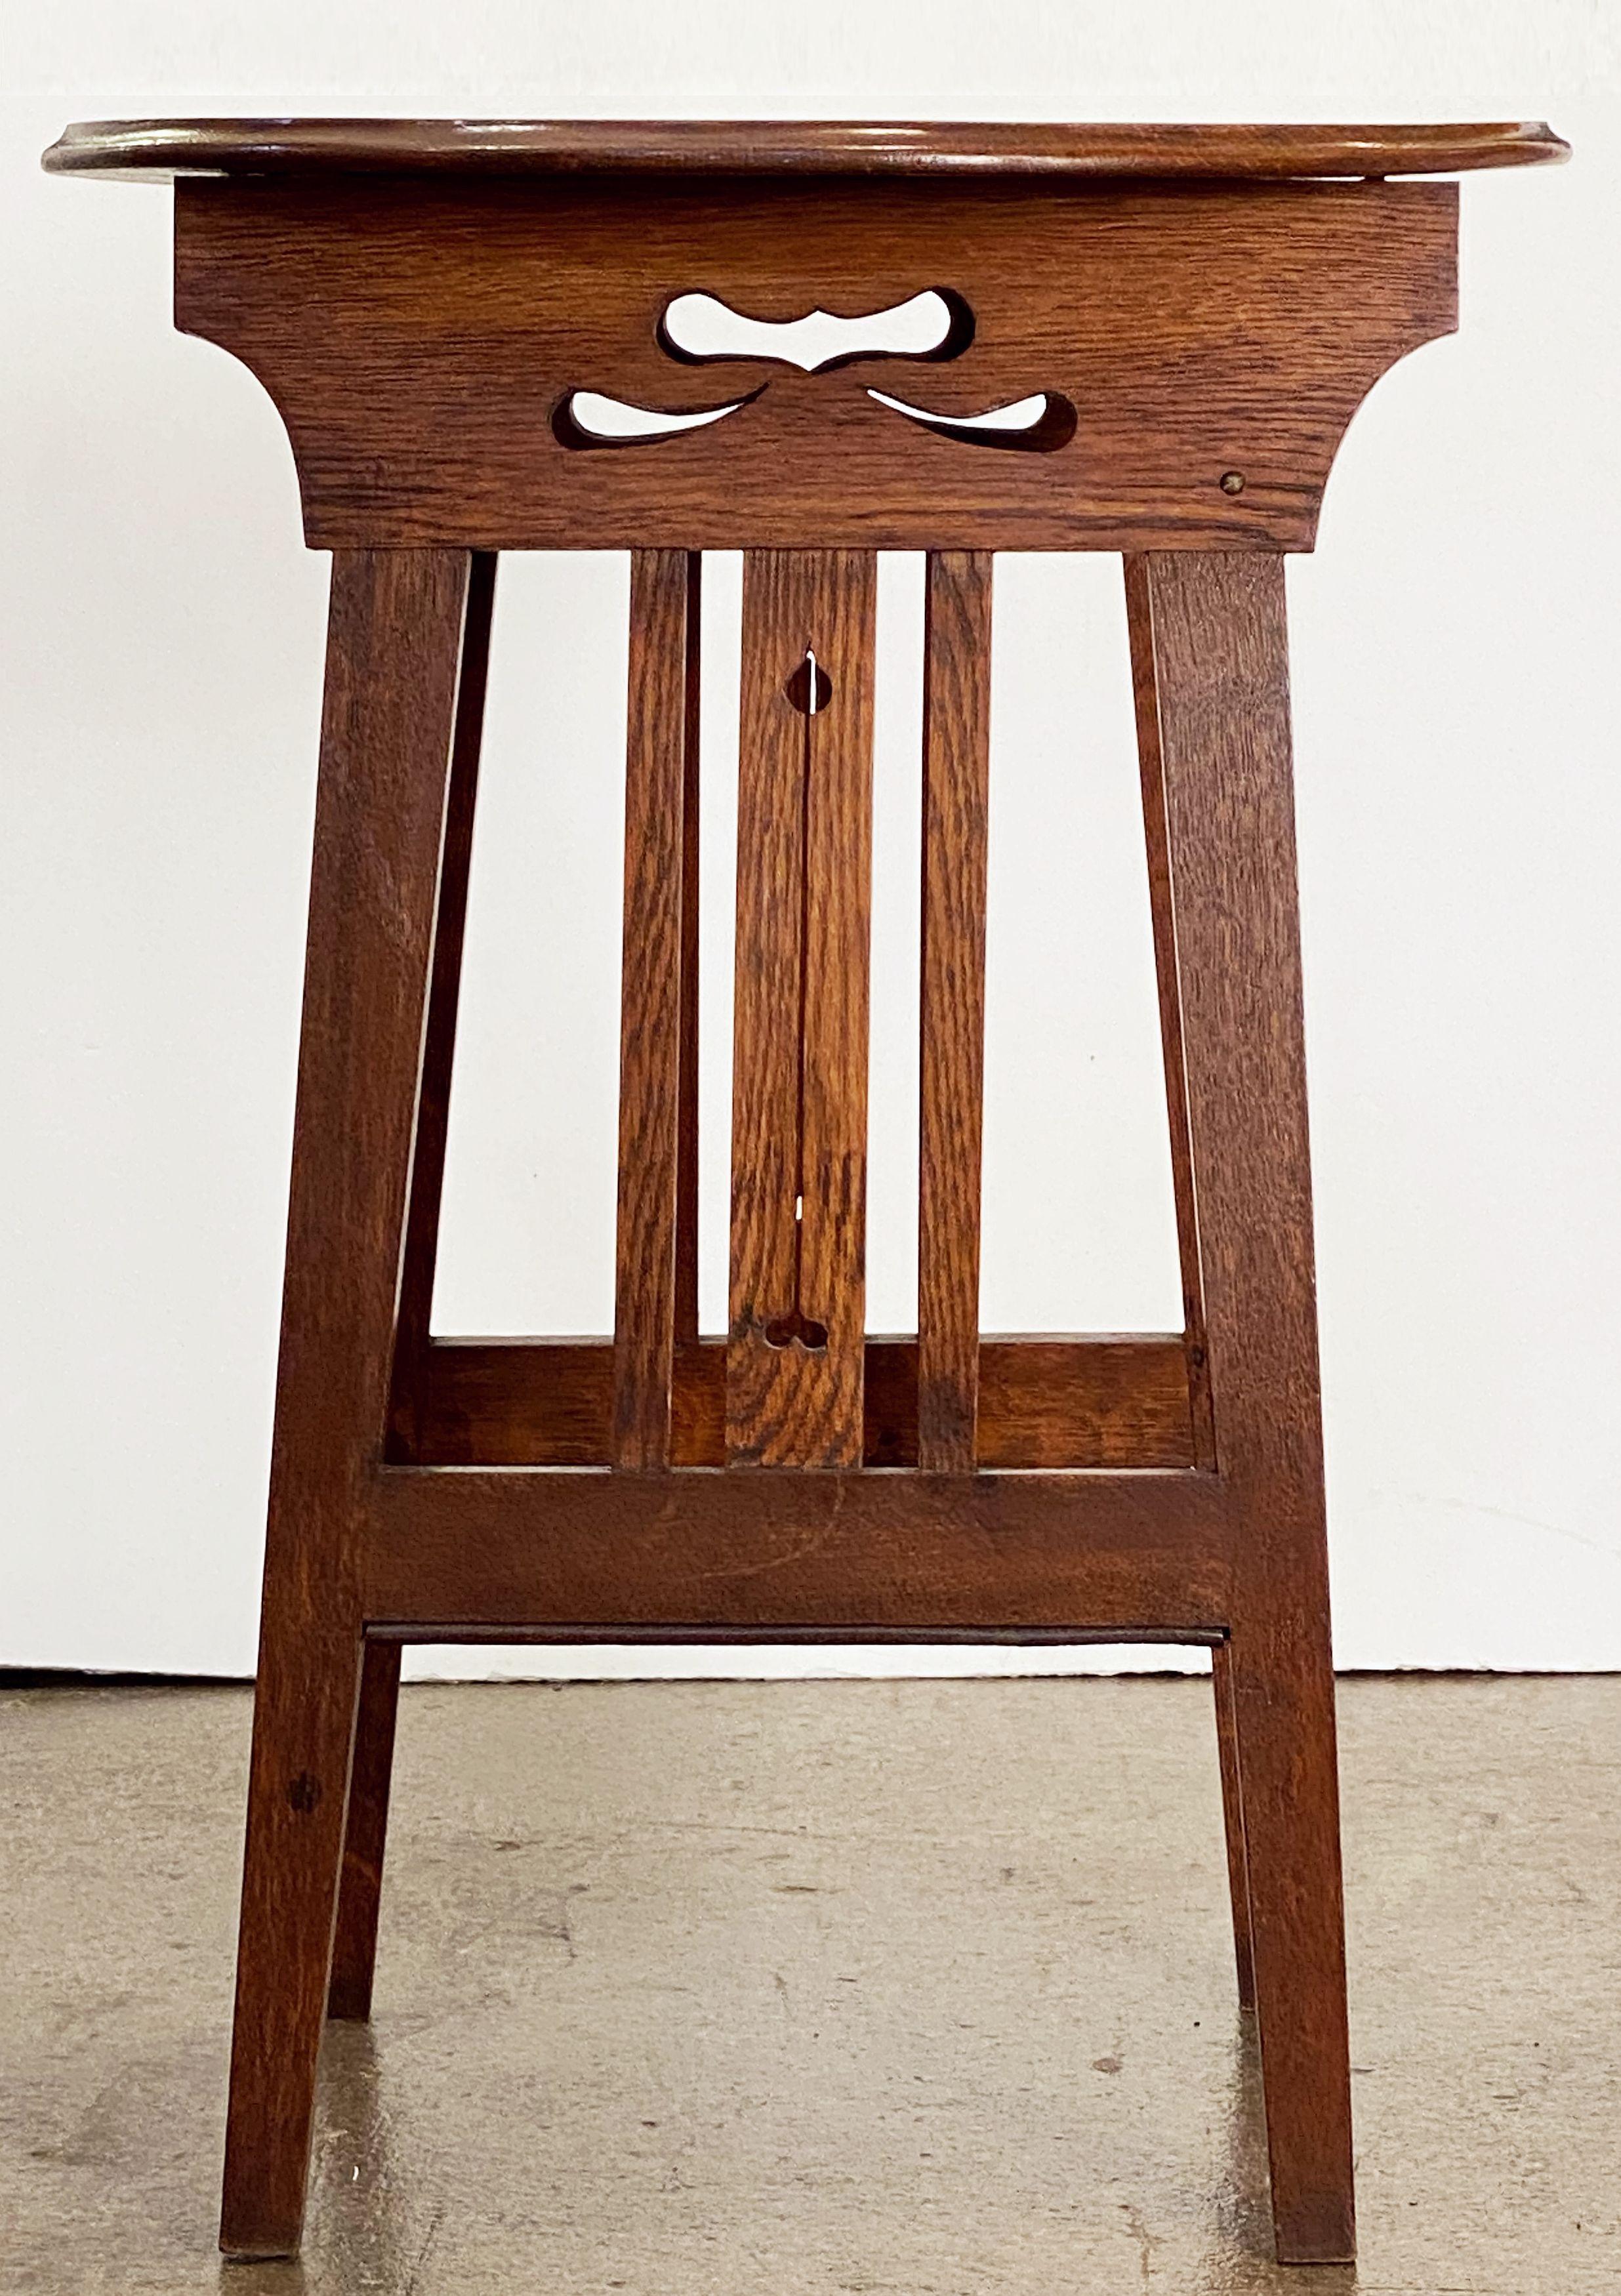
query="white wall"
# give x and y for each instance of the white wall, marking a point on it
(1458, 797)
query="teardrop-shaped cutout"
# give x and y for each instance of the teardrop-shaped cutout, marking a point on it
(586, 418)
(810, 689)
(936, 325)
(1038, 425)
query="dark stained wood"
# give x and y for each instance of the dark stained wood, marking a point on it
(393, 650)
(458, 317)
(956, 807)
(1233, 1821)
(654, 1009)
(415, 1316)
(1218, 629)
(1045, 1403)
(1139, 626)
(163, 148)
(1119, 1402)
(464, 1547)
(355, 1941)
(1192, 324)
(796, 1342)
(349, 1993)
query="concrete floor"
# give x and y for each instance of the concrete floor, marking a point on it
(917, 1986)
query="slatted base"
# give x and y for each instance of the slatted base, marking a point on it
(797, 1479)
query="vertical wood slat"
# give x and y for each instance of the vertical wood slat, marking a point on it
(420, 1254)
(655, 1262)
(956, 795)
(1152, 765)
(799, 1080)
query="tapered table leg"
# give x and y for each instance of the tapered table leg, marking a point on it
(1220, 672)
(360, 1889)
(1232, 1817)
(349, 1993)
(392, 662)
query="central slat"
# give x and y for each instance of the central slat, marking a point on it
(799, 1064)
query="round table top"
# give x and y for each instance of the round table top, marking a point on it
(158, 150)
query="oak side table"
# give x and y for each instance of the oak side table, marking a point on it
(522, 335)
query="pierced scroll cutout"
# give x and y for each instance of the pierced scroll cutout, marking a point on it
(1038, 425)
(936, 325)
(698, 329)
(586, 418)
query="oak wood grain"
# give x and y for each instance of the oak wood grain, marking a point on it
(392, 657)
(365, 1837)
(1218, 633)
(1044, 1403)
(796, 1341)
(1193, 316)
(581, 1548)
(654, 1009)
(956, 807)
(457, 318)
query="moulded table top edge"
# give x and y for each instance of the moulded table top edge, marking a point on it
(158, 150)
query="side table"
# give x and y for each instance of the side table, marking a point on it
(523, 335)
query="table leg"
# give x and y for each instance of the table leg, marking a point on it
(1219, 656)
(1232, 1815)
(349, 1993)
(393, 660)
